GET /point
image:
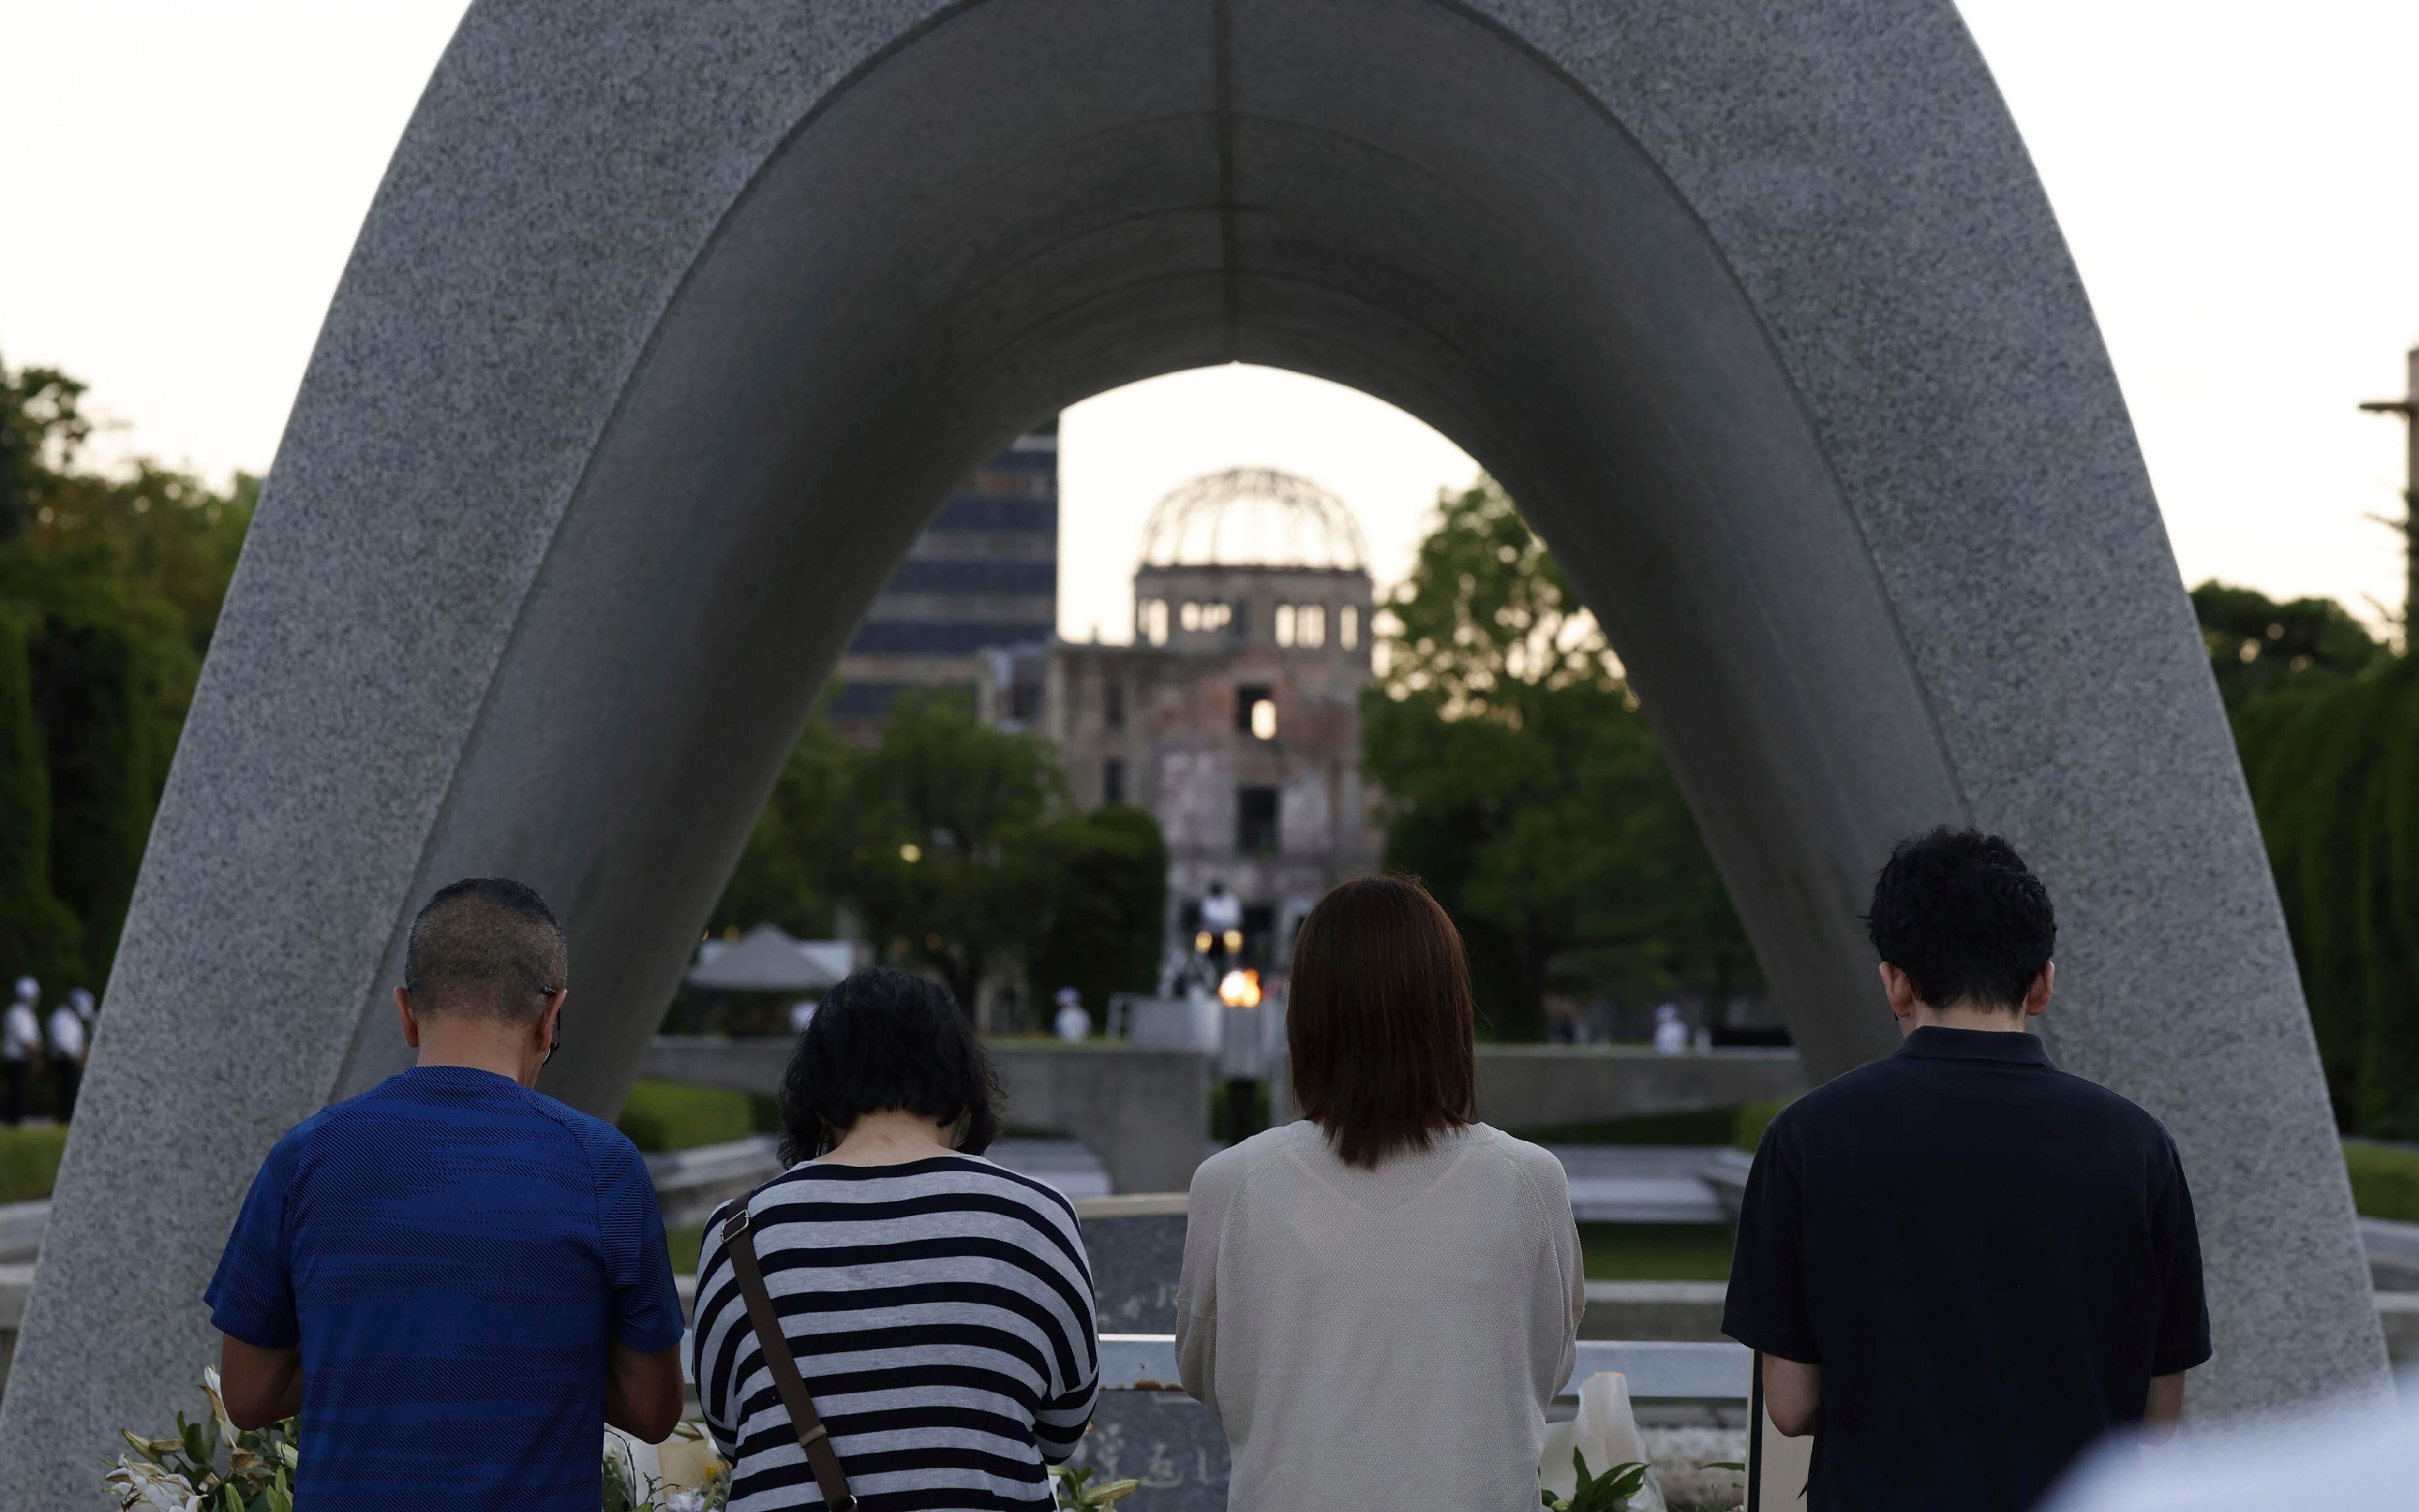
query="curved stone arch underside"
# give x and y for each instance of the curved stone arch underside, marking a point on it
(670, 324)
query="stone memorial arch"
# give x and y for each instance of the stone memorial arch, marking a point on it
(672, 322)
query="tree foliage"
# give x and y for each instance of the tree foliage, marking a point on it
(2331, 750)
(947, 864)
(1523, 783)
(950, 839)
(792, 862)
(2257, 645)
(1105, 900)
(111, 585)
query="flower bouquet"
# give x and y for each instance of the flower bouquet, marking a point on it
(185, 1474)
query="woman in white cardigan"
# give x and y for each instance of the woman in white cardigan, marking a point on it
(1379, 1301)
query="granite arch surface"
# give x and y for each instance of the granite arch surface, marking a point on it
(670, 323)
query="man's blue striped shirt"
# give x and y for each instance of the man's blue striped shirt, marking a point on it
(453, 1253)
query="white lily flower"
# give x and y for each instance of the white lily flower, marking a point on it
(142, 1486)
(211, 1388)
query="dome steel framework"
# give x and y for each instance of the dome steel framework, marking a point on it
(1253, 517)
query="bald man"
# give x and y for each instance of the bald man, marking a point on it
(456, 1280)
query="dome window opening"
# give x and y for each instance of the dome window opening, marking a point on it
(1347, 627)
(1153, 617)
(1281, 624)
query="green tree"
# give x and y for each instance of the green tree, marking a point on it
(2258, 645)
(797, 852)
(41, 425)
(1521, 781)
(112, 584)
(2336, 785)
(1104, 880)
(945, 811)
(948, 834)
(38, 933)
(2326, 721)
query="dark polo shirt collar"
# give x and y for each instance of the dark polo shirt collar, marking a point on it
(1933, 1042)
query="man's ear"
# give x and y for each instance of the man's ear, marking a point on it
(1899, 988)
(2037, 996)
(410, 1025)
(552, 1020)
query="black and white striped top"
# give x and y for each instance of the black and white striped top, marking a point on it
(942, 1314)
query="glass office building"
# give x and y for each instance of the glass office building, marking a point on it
(984, 577)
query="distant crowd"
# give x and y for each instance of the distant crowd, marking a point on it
(30, 1045)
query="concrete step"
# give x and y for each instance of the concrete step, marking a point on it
(1641, 1183)
(1654, 1309)
(2393, 1253)
(20, 1229)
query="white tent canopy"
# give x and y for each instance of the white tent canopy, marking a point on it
(768, 960)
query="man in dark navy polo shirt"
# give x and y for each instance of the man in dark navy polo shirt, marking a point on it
(1962, 1265)
(456, 1281)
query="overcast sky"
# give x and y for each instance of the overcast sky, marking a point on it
(183, 179)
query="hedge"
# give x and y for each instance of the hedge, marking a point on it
(2384, 1180)
(1746, 1129)
(664, 1115)
(29, 1161)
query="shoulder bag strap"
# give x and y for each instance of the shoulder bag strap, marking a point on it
(741, 1246)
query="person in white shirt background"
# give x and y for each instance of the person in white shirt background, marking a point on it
(1070, 1023)
(1221, 915)
(67, 1047)
(1671, 1034)
(21, 1040)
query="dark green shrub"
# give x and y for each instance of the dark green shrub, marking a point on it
(1748, 1131)
(662, 1116)
(29, 1161)
(764, 1115)
(2384, 1180)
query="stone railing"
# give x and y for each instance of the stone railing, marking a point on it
(1145, 1110)
(1658, 1370)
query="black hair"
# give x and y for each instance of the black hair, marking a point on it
(1962, 915)
(884, 1040)
(485, 945)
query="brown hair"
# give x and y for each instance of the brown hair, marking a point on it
(1378, 1019)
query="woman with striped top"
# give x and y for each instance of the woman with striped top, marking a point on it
(939, 1306)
